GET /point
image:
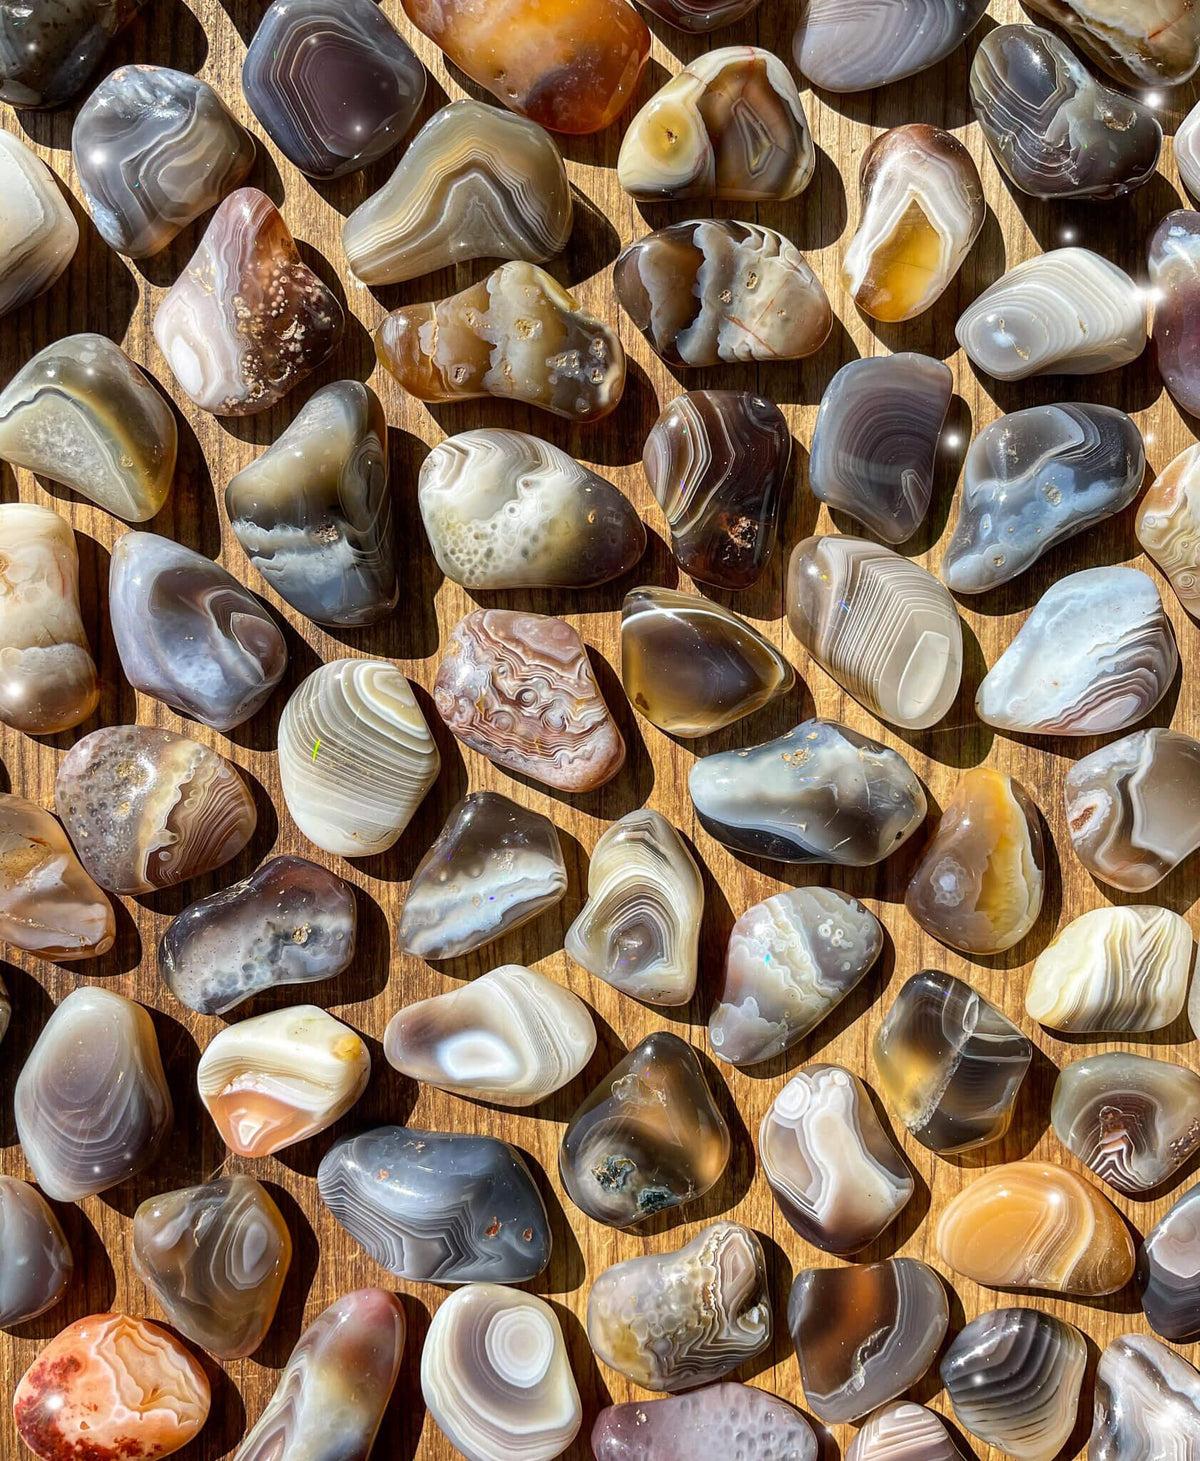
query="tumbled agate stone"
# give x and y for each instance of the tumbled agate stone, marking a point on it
(876, 439)
(820, 793)
(1168, 1271)
(717, 1420)
(335, 1388)
(517, 335)
(147, 809)
(111, 1386)
(1175, 290)
(885, 629)
(519, 689)
(1095, 655)
(903, 1431)
(493, 867)
(503, 509)
(950, 1063)
(314, 512)
(49, 906)
(864, 1334)
(1147, 1403)
(474, 183)
(511, 1036)
(691, 666)
(729, 125)
(1140, 42)
(833, 1167)
(1028, 1225)
(291, 922)
(571, 65)
(1034, 478)
(648, 1138)
(247, 319)
(1013, 1377)
(672, 1321)
(38, 232)
(47, 676)
(496, 1376)
(35, 1259)
(714, 290)
(922, 209)
(436, 1207)
(92, 1104)
(1134, 1121)
(280, 1078)
(1168, 526)
(332, 83)
(1187, 145)
(189, 634)
(1054, 128)
(48, 51)
(980, 881)
(1066, 312)
(355, 756)
(717, 463)
(857, 45)
(791, 960)
(1113, 970)
(153, 149)
(215, 1257)
(83, 414)
(640, 927)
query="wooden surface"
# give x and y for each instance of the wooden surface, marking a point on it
(106, 293)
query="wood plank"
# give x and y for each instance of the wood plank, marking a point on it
(106, 293)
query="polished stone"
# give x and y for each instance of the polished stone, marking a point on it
(857, 45)
(1187, 146)
(49, 51)
(1147, 1403)
(1139, 42)
(49, 905)
(1168, 1271)
(438, 1208)
(1168, 526)
(717, 1420)
(1175, 318)
(38, 232)
(35, 1258)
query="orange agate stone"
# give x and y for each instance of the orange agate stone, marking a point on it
(108, 1388)
(571, 65)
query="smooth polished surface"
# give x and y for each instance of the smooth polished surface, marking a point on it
(672, 1321)
(1147, 1403)
(640, 927)
(1140, 42)
(49, 905)
(884, 627)
(1168, 1271)
(903, 1432)
(38, 232)
(1175, 291)
(1168, 526)
(49, 51)
(438, 1207)
(820, 793)
(35, 1259)
(716, 1420)
(857, 45)
(474, 183)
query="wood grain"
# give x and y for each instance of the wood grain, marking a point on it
(106, 293)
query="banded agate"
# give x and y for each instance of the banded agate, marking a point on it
(921, 210)
(355, 756)
(1168, 526)
(153, 150)
(791, 960)
(38, 232)
(1187, 147)
(857, 45)
(980, 882)
(111, 1386)
(503, 509)
(35, 1258)
(92, 1104)
(1095, 655)
(49, 904)
(1032, 1226)
(519, 689)
(1175, 291)
(334, 1390)
(147, 809)
(492, 868)
(48, 52)
(712, 1421)
(903, 1432)
(438, 1207)
(729, 125)
(48, 678)
(885, 629)
(640, 927)
(496, 1376)
(1139, 42)
(83, 414)
(247, 320)
(1113, 970)
(511, 1036)
(517, 335)
(474, 183)
(1168, 1271)
(279, 1078)
(672, 1321)
(698, 17)
(836, 1173)
(1147, 1403)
